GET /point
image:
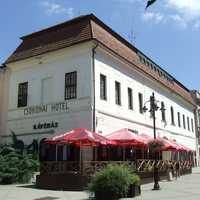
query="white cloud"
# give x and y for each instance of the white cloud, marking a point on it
(51, 8)
(183, 13)
(178, 20)
(155, 16)
(159, 18)
(187, 12)
(189, 8)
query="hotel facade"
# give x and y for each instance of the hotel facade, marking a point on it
(83, 74)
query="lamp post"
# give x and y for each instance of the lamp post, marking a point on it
(152, 110)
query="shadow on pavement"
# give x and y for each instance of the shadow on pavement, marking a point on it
(28, 186)
(32, 186)
(47, 198)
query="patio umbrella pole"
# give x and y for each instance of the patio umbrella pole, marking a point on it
(56, 152)
(80, 158)
(123, 153)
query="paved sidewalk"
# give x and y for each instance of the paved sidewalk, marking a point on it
(185, 188)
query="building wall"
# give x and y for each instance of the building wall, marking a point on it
(51, 67)
(196, 97)
(4, 85)
(111, 117)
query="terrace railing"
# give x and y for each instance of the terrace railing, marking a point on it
(89, 167)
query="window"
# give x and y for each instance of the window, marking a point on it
(192, 125)
(103, 92)
(179, 120)
(70, 85)
(184, 122)
(47, 91)
(130, 99)
(140, 96)
(172, 116)
(188, 123)
(117, 93)
(22, 94)
(163, 116)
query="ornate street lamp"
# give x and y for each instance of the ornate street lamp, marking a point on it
(152, 110)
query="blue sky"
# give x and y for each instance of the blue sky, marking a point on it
(168, 32)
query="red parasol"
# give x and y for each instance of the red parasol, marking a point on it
(181, 147)
(146, 138)
(79, 136)
(125, 137)
(169, 145)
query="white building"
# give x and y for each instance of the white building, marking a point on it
(196, 97)
(82, 74)
(4, 85)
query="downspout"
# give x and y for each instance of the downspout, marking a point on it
(93, 87)
(196, 133)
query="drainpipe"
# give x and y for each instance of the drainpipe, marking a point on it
(93, 87)
(196, 120)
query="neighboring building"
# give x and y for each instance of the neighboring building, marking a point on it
(4, 85)
(196, 97)
(82, 74)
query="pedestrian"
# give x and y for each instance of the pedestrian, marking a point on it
(177, 169)
(169, 171)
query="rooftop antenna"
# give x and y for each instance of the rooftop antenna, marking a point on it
(132, 34)
(79, 13)
(132, 37)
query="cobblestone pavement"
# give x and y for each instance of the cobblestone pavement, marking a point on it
(185, 188)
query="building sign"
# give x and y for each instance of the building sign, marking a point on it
(45, 125)
(55, 107)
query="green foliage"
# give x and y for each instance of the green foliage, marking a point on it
(114, 179)
(135, 179)
(15, 166)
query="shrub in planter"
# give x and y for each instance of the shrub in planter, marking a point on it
(134, 188)
(112, 182)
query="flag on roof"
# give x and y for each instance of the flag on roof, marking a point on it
(149, 2)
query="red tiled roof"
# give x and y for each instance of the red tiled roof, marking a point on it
(87, 28)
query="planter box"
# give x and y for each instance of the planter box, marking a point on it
(105, 195)
(134, 190)
(70, 181)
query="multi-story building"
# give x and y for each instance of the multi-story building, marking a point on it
(83, 74)
(4, 85)
(196, 97)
